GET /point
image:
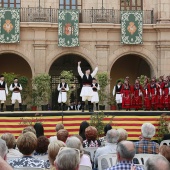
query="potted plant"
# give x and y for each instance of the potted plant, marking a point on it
(103, 82)
(9, 79)
(23, 80)
(111, 102)
(42, 88)
(34, 100)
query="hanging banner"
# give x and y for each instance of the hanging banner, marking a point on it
(131, 27)
(68, 28)
(9, 25)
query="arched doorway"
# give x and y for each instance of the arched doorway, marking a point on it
(11, 62)
(67, 62)
(131, 65)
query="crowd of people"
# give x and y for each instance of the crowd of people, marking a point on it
(68, 152)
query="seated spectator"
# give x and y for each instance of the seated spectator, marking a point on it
(71, 155)
(74, 142)
(29, 129)
(72, 106)
(78, 107)
(3, 149)
(157, 162)
(39, 129)
(42, 147)
(26, 144)
(106, 129)
(11, 144)
(167, 136)
(53, 149)
(82, 129)
(125, 154)
(4, 165)
(146, 145)
(164, 150)
(112, 137)
(122, 134)
(91, 138)
(57, 128)
(62, 135)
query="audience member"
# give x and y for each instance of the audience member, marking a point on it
(164, 150)
(107, 128)
(39, 129)
(57, 128)
(74, 142)
(82, 129)
(71, 155)
(167, 136)
(145, 145)
(62, 135)
(112, 137)
(125, 154)
(42, 147)
(53, 149)
(26, 144)
(91, 138)
(3, 149)
(29, 129)
(4, 165)
(11, 144)
(122, 134)
(157, 162)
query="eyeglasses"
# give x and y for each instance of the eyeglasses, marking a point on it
(65, 148)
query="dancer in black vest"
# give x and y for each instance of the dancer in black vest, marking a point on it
(95, 97)
(16, 95)
(62, 97)
(3, 92)
(86, 91)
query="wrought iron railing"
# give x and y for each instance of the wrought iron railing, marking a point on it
(32, 14)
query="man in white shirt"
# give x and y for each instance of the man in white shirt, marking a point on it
(3, 91)
(16, 95)
(86, 91)
(62, 97)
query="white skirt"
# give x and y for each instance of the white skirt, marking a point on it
(86, 91)
(62, 97)
(16, 96)
(118, 98)
(2, 95)
(95, 97)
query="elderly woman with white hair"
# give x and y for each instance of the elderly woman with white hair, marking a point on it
(122, 134)
(74, 142)
(145, 144)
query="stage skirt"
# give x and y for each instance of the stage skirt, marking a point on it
(2, 95)
(62, 97)
(118, 98)
(95, 97)
(86, 91)
(16, 96)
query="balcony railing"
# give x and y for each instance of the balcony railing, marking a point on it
(86, 15)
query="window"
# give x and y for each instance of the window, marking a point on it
(10, 3)
(131, 4)
(70, 4)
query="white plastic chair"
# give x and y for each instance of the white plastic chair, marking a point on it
(106, 161)
(83, 167)
(167, 142)
(28, 168)
(92, 150)
(142, 158)
(138, 165)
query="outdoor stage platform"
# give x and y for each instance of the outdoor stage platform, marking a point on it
(14, 122)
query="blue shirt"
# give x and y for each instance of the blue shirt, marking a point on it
(124, 165)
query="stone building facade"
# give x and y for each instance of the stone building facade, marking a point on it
(38, 50)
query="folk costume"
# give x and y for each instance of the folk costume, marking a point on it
(153, 94)
(86, 91)
(3, 91)
(160, 96)
(16, 95)
(166, 94)
(62, 96)
(146, 95)
(117, 92)
(95, 97)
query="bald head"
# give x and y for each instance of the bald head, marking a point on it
(125, 150)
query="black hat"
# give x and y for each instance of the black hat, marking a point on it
(62, 78)
(93, 78)
(118, 81)
(15, 78)
(87, 69)
(1, 75)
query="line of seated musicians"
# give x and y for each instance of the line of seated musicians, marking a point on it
(74, 106)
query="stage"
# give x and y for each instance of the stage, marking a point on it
(14, 122)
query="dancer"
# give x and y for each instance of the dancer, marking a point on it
(95, 97)
(62, 97)
(166, 93)
(16, 87)
(86, 91)
(3, 91)
(126, 95)
(153, 93)
(146, 94)
(117, 92)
